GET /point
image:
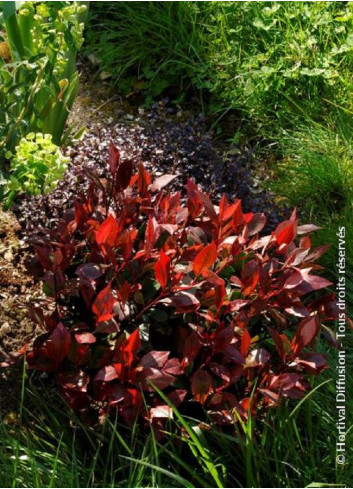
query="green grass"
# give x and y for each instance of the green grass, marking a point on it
(268, 61)
(315, 173)
(159, 43)
(293, 446)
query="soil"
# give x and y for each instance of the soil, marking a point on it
(17, 289)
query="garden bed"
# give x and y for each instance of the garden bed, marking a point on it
(166, 140)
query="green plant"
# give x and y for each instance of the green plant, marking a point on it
(315, 173)
(35, 167)
(271, 62)
(157, 46)
(39, 83)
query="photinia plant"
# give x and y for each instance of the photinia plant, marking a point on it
(151, 289)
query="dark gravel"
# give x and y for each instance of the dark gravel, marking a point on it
(166, 142)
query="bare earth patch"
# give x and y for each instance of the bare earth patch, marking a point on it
(17, 291)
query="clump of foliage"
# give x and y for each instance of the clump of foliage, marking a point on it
(152, 293)
(38, 77)
(157, 46)
(36, 166)
(278, 60)
(273, 61)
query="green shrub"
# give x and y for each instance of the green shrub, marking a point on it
(36, 166)
(38, 77)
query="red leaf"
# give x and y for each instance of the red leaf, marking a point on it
(250, 277)
(108, 231)
(85, 338)
(144, 180)
(103, 305)
(161, 182)
(293, 216)
(132, 345)
(124, 174)
(205, 259)
(256, 224)
(201, 385)
(114, 157)
(245, 343)
(151, 234)
(238, 214)
(306, 332)
(162, 269)
(106, 374)
(59, 344)
(183, 302)
(285, 233)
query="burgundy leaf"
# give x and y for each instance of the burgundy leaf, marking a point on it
(313, 363)
(201, 385)
(256, 224)
(183, 302)
(89, 271)
(106, 374)
(114, 157)
(154, 359)
(124, 173)
(59, 343)
(307, 330)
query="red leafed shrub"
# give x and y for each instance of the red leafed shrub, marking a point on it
(153, 289)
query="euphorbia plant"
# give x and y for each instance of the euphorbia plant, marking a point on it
(151, 289)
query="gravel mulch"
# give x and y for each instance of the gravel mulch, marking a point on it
(166, 143)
